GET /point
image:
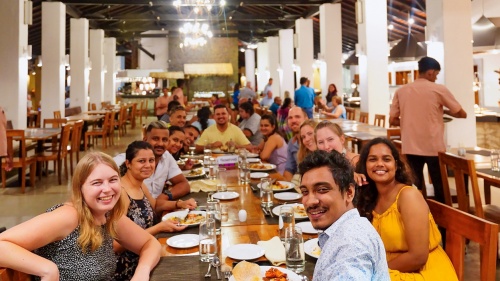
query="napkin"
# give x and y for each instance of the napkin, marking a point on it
(275, 251)
(204, 185)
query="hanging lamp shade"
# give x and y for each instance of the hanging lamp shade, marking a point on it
(408, 49)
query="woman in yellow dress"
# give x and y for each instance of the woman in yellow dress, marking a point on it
(401, 216)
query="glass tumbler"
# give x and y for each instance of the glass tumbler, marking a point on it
(294, 249)
(208, 240)
(285, 220)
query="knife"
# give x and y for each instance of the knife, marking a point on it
(264, 211)
(270, 212)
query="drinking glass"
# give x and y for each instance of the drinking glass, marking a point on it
(192, 148)
(286, 219)
(214, 212)
(266, 193)
(294, 249)
(222, 176)
(208, 240)
(244, 173)
(495, 158)
(212, 169)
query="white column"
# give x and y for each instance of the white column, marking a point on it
(286, 61)
(263, 74)
(53, 58)
(330, 29)
(13, 55)
(305, 48)
(373, 62)
(79, 55)
(96, 87)
(250, 66)
(453, 50)
(273, 46)
(110, 72)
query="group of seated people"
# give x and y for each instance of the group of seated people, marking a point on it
(114, 203)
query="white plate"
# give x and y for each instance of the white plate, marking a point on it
(184, 241)
(291, 276)
(182, 214)
(307, 227)
(268, 167)
(252, 155)
(276, 211)
(287, 196)
(258, 175)
(194, 161)
(218, 151)
(187, 175)
(253, 160)
(312, 248)
(289, 186)
(245, 252)
(226, 195)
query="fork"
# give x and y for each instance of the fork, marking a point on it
(227, 274)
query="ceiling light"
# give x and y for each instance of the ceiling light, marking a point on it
(411, 21)
(222, 2)
(390, 26)
(242, 50)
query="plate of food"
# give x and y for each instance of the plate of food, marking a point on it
(258, 175)
(180, 217)
(250, 271)
(194, 161)
(312, 248)
(252, 155)
(288, 196)
(194, 173)
(184, 241)
(261, 167)
(253, 160)
(299, 211)
(245, 252)
(281, 186)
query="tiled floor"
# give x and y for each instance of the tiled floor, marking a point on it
(16, 208)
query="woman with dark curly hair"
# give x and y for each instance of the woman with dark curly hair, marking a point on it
(400, 215)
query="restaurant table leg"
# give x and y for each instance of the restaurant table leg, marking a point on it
(487, 192)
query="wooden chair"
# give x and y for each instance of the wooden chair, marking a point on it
(96, 132)
(93, 106)
(460, 226)
(379, 120)
(54, 122)
(351, 113)
(141, 112)
(461, 167)
(57, 114)
(121, 122)
(393, 134)
(74, 146)
(22, 160)
(132, 115)
(111, 128)
(363, 117)
(57, 155)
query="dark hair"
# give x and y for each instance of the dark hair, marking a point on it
(180, 83)
(175, 109)
(428, 63)
(216, 96)
(191, 127)
(172, 89)
(272, 121)
(339, 166)
(220, 106)
(303, 80)
(203, 115)
(172, 104)
(329, 95)
(286, 103)
(247, 107)
(131, 153)
(368, 194)
(173, 129)
(236, 87)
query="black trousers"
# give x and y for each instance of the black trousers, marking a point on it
(416, 163)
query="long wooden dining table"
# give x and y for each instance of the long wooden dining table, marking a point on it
(185, 264)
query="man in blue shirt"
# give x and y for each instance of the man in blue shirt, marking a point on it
(296, 116)
(268, 86)
(304, 97)
(267, 101)
(275, 106)
(351, 249)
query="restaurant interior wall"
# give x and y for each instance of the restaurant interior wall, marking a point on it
(157, 47)
(217, 50)
(489, 94)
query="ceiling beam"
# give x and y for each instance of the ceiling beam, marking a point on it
(169, 3)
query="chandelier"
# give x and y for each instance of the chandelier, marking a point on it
(199, 4)
(195, 35)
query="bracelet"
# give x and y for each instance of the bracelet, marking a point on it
(177, 207)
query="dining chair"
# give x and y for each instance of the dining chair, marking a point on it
(459, 226)
(57, 114)
(22, 160)
(363, 117)
(74, 145)
(111, 128)
(58, 155)
(141, 111)
(394, 133)
(96, 132)
(93, 106)
(121, 121)
(351, 113)
(379, 120)
(53, 123)
(132, 115)
(462, 167)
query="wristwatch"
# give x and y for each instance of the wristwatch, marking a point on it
(169, 194)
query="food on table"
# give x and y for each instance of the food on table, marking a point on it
(316, 251)
(246, 271)
(195, 172)
(299, 211)
(278, 186)
(189, 219)
(274, 274)
(260, 166)
(224, 147)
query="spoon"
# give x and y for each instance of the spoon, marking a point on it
(216, 263)
(209, 274)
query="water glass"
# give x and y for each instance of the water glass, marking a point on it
(221, 187)
(286, 220)
(192, 148)
(208, 240)
(244, 174)
(461, 150)
(266, 193)
(214, 212)
(294, 249)
(495, 158)
(222, 175)
(212, 169)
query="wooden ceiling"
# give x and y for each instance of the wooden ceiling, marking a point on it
(249, 20)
